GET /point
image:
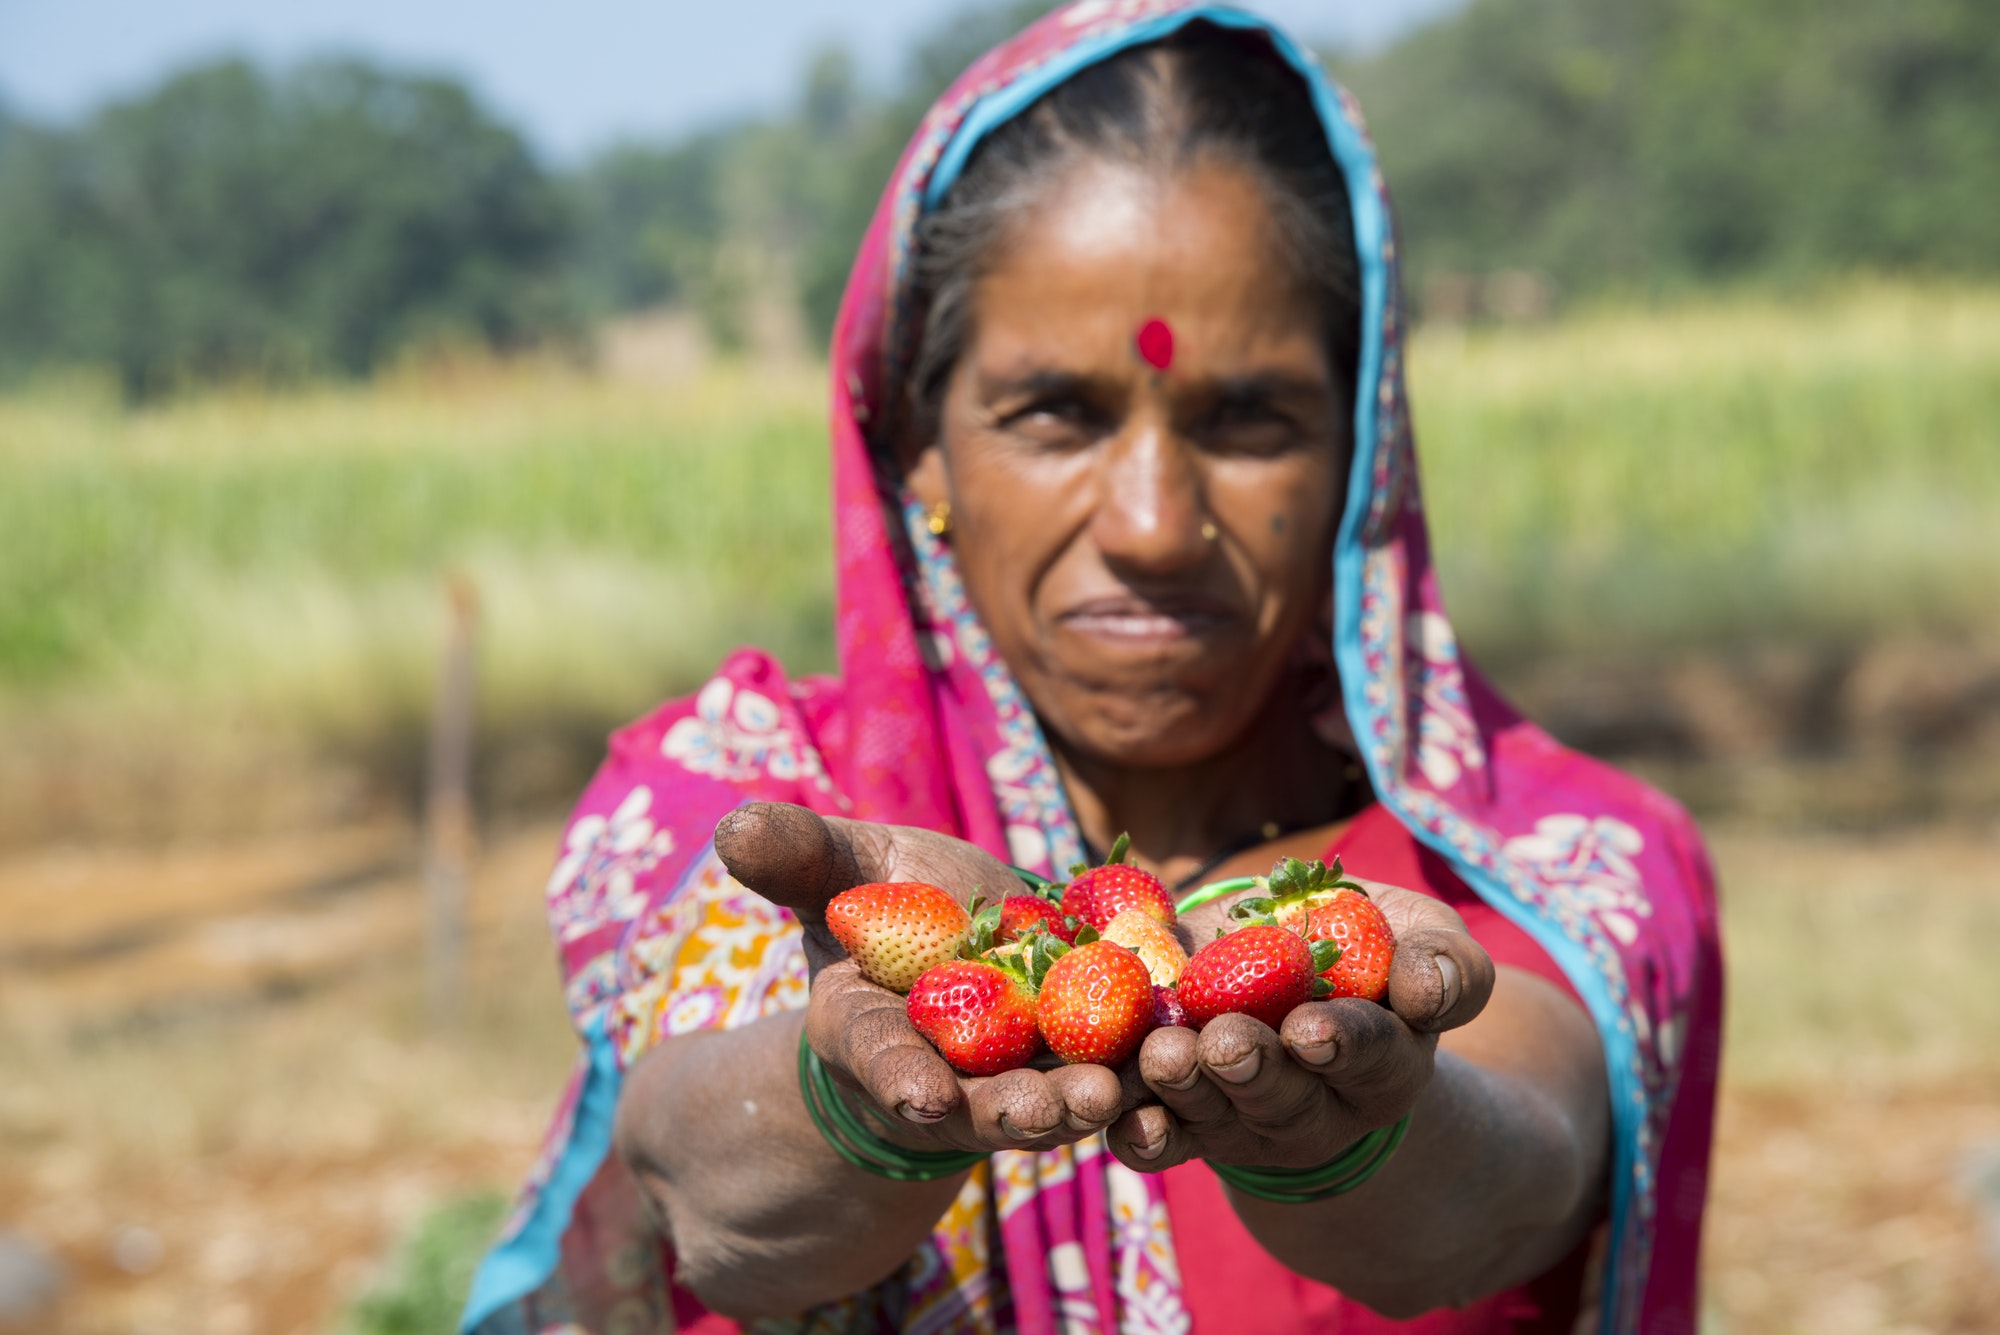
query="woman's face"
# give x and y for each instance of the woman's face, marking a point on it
(1145, 545)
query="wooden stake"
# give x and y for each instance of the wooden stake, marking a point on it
(448, 833)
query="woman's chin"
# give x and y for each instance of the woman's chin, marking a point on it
(1153, 727)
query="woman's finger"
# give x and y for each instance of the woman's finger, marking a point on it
(1149, 1140)
(865, 1032)
(794, 857)
(1273, 1096)
(1439, 979)
(1170, 1064)
(797, 858)
(1370, 1058)
(1030, 1109)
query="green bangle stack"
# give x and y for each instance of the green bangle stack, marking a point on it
(854, 1142)
(1342, 1173)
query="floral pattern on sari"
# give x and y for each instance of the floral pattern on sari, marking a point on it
(926, 726)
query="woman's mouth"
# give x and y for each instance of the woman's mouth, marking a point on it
(1148, 621)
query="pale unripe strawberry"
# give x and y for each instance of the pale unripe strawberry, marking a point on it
(895, 930)
(1138, 930)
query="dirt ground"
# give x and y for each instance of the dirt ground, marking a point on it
(223, 1101)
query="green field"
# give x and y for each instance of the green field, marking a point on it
(1619, 479)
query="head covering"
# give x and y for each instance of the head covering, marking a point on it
(925, 726)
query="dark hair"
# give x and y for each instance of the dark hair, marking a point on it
(1203, 93)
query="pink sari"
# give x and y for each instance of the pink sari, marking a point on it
(926, 727)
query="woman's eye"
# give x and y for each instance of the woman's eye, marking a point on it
(1054, 418)
(1250, 427)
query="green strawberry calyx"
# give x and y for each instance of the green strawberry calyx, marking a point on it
(1292, 887)
(1119, 847)
(1028, 958)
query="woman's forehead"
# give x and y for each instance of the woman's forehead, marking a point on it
(1107, 250)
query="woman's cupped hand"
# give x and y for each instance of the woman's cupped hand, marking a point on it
(1240, 1092)
(1235, 1092)
(801, 860)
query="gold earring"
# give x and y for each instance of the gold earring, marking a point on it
(1209, 532)
(939, 522)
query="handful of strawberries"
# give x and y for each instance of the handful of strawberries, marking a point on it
(1090, 974)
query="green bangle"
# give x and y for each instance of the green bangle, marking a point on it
(1195, 898)
(1342, 1173)
(1039, 885)
(852, 1139)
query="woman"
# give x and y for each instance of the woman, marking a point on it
(1129, 540)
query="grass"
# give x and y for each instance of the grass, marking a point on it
(426, 1288)
(1740, 469)
(245, 541)
(1732, 470)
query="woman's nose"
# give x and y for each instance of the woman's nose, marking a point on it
(1150, 512)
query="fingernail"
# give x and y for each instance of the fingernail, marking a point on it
(918, 1116)
(1150, 1150)
(1242, 1072)
(1016, 1132)
(1447, 982)
(1314, 1054)
(1188, 1083)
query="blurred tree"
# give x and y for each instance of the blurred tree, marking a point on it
(647, 219)
(780, 202)
(1672, 141)
(235, 224)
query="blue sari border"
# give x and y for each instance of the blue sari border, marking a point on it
(524, 1262)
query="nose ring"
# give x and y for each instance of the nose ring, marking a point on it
(1209, 533)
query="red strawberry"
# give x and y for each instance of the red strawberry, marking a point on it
(1096, 1004)
(980, 1016)
(1354, 924)
(1138, 930)
(1168, 1013)
(1261, 971)
(1021, 914)
(1320, 904)
(1293, 890)
(1098, 894)
(897, 929)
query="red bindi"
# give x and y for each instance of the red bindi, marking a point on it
(1155, 341)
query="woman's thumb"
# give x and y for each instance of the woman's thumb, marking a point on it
(790, 855)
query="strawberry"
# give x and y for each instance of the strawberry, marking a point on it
(1320, 904)
(1168, 1013)
(1021, 914)
(978, 1015)
(1355, 925)
(1098, 894)
(1293, 890)
(1155, 942)
(1096, 1004)
(1261, 971)
(895, 930)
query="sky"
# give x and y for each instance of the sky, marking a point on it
(574, 75)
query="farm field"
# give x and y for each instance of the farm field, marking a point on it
(210, 583)
(1744, 544)
(223, 1125)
